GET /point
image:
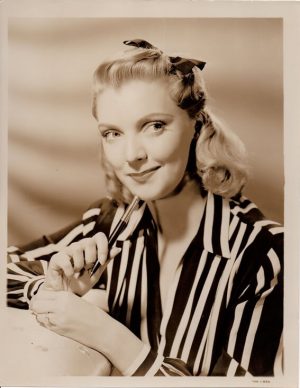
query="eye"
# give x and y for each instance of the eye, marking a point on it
(156, 126)
(110, 135)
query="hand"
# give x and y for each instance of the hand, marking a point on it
(69, 268)
(69, 315)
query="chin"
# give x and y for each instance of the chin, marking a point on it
(153, 191)
(148, 195)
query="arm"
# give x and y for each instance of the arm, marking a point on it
(28, 264)
(253, 329)
(71, 316)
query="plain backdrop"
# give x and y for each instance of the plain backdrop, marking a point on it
(53, 145)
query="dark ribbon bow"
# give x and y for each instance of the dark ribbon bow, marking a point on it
(140, 43)
(184, 65)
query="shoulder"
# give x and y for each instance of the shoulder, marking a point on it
(248, 213)
(99, 215)
(262, 233)
(256, 242)
(99, 207)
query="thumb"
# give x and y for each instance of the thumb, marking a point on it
(59, 269)
(54, 282)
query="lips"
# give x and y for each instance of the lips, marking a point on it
(143, 175)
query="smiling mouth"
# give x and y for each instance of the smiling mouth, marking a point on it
(143, 175)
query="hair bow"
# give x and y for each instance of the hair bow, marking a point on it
(184, 65)
(139, 43)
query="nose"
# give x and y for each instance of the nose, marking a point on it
(135, 150)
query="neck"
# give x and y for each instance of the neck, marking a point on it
(176, 214)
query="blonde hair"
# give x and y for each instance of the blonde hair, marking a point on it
(217, 156)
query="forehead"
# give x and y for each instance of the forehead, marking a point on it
(136, 97)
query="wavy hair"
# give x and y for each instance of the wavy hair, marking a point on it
(217, 158)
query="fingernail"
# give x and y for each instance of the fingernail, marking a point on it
(102, 258)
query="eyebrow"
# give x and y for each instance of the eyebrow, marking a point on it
(149, 117)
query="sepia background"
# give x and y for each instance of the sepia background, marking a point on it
(53, 155)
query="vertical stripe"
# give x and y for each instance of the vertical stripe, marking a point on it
(251, 334)
(109, 279)
(234, 329)
(236, 248)
(216, 225)
(209, 217)
(199, 355)
(144, 285)
(119, 212)
(224, 229)
(134, 275)
(232, 368)
(199, 309)
(238, 240)
(122, 270)
(168, 308)
(187, 311)
(260, 278)
(155, 366)
(215, 313)
(274, 261)
(122, 293)
(137, 362)
(132, 224)
(233, 225)
(206, 314)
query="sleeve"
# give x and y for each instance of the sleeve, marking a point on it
(149, 363)
(28, 264)
(253, 330)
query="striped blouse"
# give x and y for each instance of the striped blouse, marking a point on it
(223, 313)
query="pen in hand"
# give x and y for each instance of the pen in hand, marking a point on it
(121, 225)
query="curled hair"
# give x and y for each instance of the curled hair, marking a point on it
(217, 157)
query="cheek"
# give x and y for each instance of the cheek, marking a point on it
(113, 154)
(172, 151)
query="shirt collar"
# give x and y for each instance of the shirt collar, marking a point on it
(215, 223)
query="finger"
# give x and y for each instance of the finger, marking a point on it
(62, 262)
(44, 319)
(45, 293)
(102, 247)
(78, 258)
(40, 306)
(90, 252)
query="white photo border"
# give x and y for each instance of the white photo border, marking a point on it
(290, 13)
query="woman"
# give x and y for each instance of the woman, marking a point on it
(194, 286)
